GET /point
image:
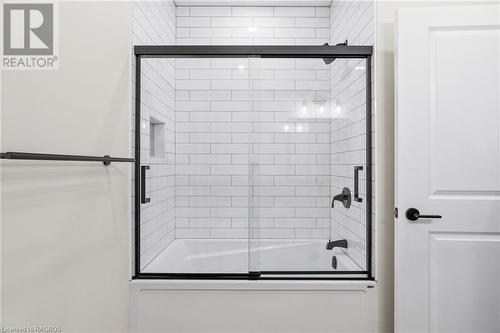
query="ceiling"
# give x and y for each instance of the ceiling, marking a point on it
(253, 2)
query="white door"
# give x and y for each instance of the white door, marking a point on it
(448, 164)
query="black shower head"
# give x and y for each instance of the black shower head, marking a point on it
(328, 61)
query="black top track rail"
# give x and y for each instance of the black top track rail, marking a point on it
(264, 51)
(106, 159)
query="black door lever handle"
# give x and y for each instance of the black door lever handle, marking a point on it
(413, 214)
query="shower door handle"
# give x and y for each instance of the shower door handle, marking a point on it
(143, 184)
(356, 183)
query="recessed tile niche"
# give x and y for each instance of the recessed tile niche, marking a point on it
(156, 138)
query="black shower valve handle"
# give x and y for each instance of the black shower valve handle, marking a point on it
(344, 197)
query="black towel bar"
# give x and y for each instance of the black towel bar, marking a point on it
(106, 160)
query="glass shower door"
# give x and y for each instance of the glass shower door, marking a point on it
(351, 150)
(253, 166)
(194, 166)
(155, 198)
(307, 121)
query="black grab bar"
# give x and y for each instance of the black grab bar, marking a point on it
(106, 159)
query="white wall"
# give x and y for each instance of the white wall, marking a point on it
(154, 23)
(65, 225)
(354, 21)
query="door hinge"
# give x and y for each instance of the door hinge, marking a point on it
(396, 212)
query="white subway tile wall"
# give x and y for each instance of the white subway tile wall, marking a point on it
(154, 23)
(351, 20)
(240, 130)
(252, 25)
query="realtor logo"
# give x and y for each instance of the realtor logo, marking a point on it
(29, 36)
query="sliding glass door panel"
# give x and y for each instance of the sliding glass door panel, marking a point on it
(304, 145)
(194, 153)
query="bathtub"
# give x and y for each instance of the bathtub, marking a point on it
(249, 305)
(242, 255)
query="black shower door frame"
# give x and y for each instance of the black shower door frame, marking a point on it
(230, 51)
